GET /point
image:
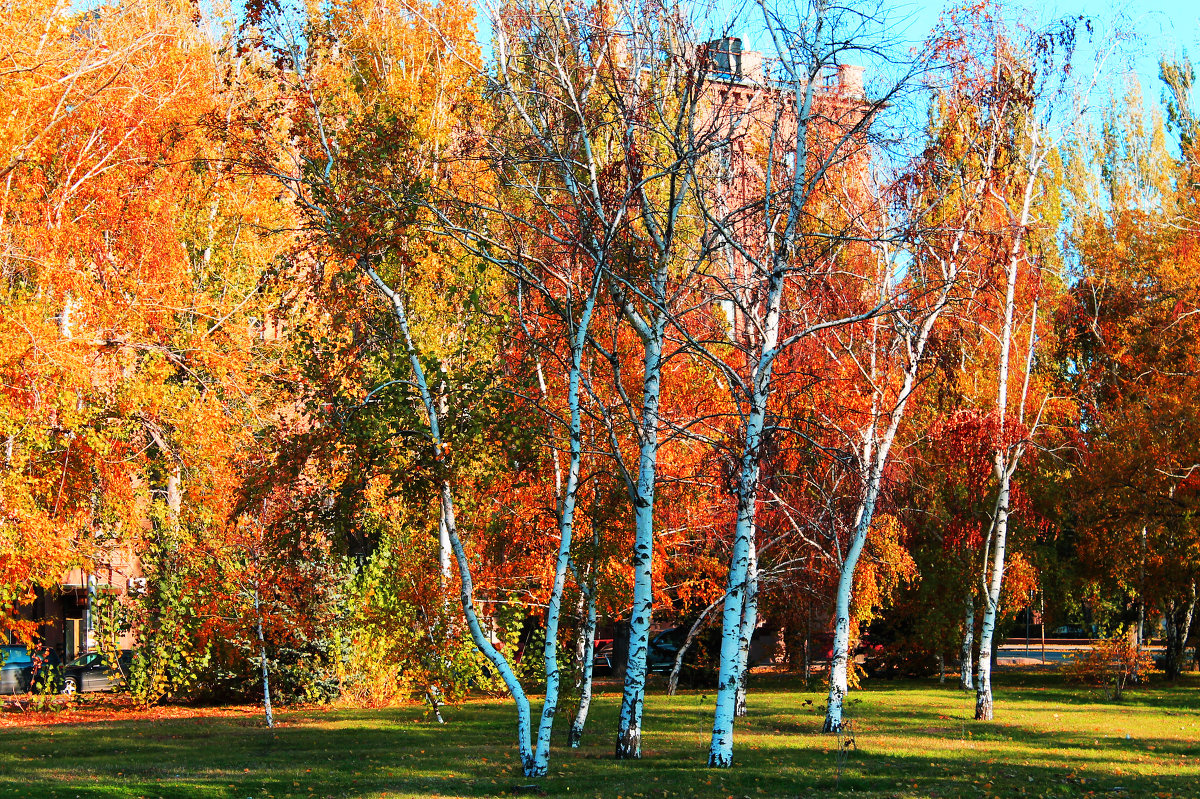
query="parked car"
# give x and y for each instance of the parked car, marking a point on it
(700, 661)
(91, 672)
(1074, 631)
(602, 656)
(16, 669)
(660, 657)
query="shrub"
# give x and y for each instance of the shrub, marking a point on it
(1111, 663)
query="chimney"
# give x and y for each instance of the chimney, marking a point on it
(850, 80)
(725, 58)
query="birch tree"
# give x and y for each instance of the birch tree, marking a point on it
(776, 247)
(395, 79)
(653, 99)
(944, 194)
(554, 222)
(897, 351)
(1034, 105)
(588, 151)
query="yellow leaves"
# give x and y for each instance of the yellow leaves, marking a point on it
(888, 564)
(412, 62)
(1020, 578)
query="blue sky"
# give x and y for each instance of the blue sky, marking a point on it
(1147, 31)
(1153, 28)
(1156, 27)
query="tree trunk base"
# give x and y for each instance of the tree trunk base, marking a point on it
(983, 706)
(629, 745)
(721, 760)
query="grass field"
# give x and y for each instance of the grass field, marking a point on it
(912, 739)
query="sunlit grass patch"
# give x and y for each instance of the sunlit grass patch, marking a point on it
(910, 739)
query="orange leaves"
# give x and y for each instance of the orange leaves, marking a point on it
(1110, 663)
(1021, 580)
(125, 289)
(1134, 327)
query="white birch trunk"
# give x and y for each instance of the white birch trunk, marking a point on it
(262, 658)
(720, 752)
(629, 727)
(967, 661)
(435, 703)
(445, 572)
(65, 323)
(566, 527)
(983, 691)
(175, 492)
(446, 498)
(749, 622)
(587, 661)
(840, 663)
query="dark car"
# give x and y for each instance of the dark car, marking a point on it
(16, 669)
(91, 672)
(660, 658)
(1074, 631)
(700, 661)
(602, 656)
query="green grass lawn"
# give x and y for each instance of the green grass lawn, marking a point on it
(913, 739)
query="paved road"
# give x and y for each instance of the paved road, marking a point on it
(1020, 655)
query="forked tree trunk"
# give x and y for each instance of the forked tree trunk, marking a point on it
(629, 726)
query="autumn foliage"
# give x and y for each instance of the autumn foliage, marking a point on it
(314, 314)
